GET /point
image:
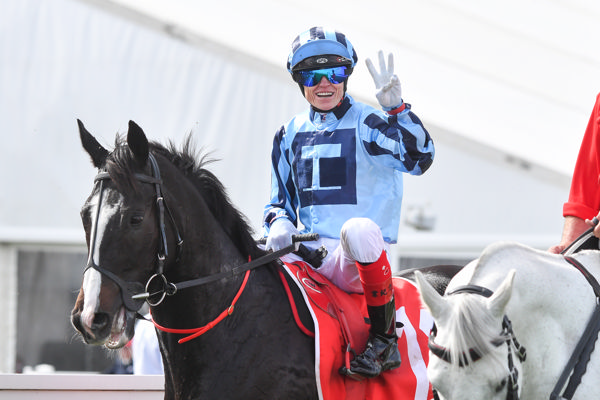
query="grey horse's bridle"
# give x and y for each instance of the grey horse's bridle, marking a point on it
(507, 332)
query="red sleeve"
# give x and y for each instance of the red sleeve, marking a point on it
(584, 196)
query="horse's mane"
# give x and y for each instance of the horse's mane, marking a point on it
(471, 327)
(120, 166)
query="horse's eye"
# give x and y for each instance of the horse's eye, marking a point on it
(501, 385)
(136, 220)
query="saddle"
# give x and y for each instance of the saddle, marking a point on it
(339, 323)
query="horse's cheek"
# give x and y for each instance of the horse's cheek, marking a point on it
(437, 374)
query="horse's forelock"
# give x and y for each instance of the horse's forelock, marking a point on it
(120, 166)
(472, 328)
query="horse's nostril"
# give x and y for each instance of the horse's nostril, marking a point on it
(100, 321)
(76, 321)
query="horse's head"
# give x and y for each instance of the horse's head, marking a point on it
(472, 352)
(121, 225)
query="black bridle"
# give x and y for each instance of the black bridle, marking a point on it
(158, 287)
(507, 332)
(130, 290)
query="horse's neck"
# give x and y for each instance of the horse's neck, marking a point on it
(546, 288)
(551, 331)
(538, 273)
(260, 325)
(550, 306)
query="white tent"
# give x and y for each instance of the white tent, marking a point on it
(510, 84)
(505, 89)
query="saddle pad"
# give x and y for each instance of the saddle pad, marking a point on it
(332, 308)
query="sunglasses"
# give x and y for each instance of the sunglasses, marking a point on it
(313, 77)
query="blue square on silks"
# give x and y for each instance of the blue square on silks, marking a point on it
(333, 172)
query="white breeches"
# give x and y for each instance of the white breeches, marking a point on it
(361, 240)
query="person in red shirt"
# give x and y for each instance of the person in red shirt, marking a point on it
(582, 209)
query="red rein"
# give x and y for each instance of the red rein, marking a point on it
(195, 332)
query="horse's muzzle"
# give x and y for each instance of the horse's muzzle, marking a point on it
(104, 329)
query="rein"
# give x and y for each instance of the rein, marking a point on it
(195, 332)
(247, 268)
(172, 288)
(577, 364)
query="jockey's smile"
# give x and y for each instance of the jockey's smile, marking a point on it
(324, 96)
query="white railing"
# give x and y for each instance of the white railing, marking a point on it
(81, 387)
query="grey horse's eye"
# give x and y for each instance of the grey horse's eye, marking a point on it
(501, 385)
(85, 217)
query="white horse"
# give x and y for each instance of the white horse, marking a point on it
(475, 352)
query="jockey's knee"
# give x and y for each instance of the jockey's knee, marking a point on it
(361, 239)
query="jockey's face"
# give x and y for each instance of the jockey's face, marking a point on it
(325, 95)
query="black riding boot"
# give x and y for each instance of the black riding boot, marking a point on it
(381, 353)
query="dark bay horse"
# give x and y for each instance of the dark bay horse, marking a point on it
(156, 216)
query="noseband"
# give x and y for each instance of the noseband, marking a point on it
(474, 355)
(130, 289)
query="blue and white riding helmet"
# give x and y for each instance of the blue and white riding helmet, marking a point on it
(321, 47)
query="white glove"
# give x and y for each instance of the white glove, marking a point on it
(280, 234)
(389, 92)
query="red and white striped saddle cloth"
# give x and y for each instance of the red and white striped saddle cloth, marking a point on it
(341, 328)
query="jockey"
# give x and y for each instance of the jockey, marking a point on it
(337, 171)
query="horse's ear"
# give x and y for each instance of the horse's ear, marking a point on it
(435, 303)
(138, 143)
(91, 145)
(498, 301)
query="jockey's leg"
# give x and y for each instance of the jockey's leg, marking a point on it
(381, 352)
(362, 240)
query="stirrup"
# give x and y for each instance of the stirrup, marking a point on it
(352, 375)
(379, 352)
